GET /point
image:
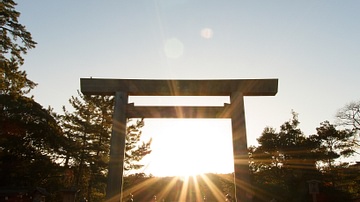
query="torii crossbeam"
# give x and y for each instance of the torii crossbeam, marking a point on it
(235, 88)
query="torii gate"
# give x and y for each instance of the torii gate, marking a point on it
(236, 89)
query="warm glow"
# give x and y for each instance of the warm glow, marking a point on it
(187, 147)
(194, 188)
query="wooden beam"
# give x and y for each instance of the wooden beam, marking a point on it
(248, 87)
(176, 112)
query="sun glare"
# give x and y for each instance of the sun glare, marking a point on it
(192, 188)
(185, 154)
(187, 147)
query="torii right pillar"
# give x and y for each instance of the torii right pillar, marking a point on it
(243, 185)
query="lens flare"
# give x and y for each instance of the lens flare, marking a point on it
(206, 33)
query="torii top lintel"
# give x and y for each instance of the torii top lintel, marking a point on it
(248, 87)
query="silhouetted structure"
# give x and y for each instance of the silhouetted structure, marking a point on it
(236, 89)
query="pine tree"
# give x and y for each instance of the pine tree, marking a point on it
(88, 130)
(30, 139)
(15, 42)
(334, 144)
(30, 142)
(284, 161)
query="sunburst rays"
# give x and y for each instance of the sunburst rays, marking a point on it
(194, 188)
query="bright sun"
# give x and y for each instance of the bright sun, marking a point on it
(184, 150)
(185, 147)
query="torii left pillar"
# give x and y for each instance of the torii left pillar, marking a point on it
(117, 151)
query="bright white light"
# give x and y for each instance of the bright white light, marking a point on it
(185, 147)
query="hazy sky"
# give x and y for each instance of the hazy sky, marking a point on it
(312, 47)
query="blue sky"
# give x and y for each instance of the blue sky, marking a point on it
(312, 47)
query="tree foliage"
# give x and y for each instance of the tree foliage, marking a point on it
(30, 139)
(30, 142)
(15, 39)
(134, 151)
(87, 129)
(15, 42)
(33, 141)
(13, 80)
(289, 148)
(349, 117)
(334, 144)
(285, 161)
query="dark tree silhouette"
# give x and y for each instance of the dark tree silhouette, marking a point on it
(88, 129)
(15, 41)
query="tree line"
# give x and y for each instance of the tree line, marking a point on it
(286, 161)
(42, 148)
(70, 150)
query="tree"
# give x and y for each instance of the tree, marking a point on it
(289, 148)
(15, 41)
(30, 142)
(88, 130)
(13, 80)
(283, 162)
(349, 116)
(334, 143)
(134, 151)
(30, 139)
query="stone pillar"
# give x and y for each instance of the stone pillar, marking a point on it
(117, 149)
(241, 157)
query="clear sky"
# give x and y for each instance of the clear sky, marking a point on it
(312, 47)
